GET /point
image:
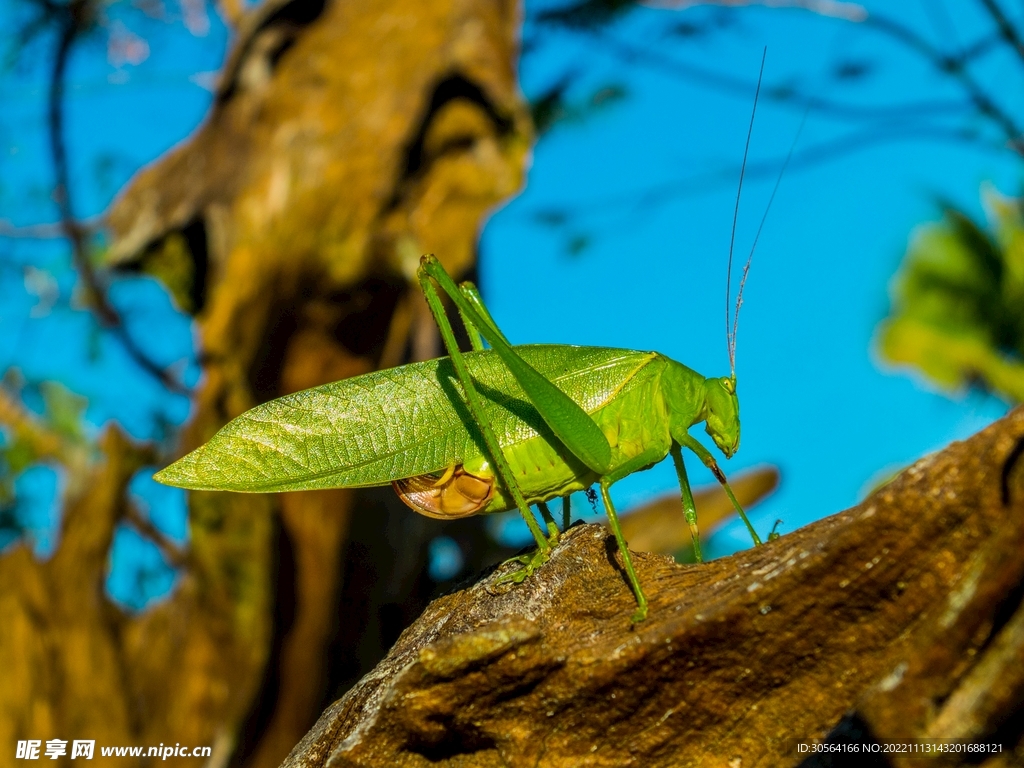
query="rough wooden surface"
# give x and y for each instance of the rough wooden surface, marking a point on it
(901, 615)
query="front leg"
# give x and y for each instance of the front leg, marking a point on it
(688, 441)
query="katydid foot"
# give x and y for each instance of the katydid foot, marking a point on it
(530, 562)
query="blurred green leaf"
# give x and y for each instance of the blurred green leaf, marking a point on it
(549, 107)
(16, 457)
(958, 302)
(172, 263)
(553, 106)
(64, 409)
(577, 245)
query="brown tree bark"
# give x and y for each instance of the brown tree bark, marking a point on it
(899, 618)
(345, 140)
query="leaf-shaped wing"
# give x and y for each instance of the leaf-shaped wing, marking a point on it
(392, 424)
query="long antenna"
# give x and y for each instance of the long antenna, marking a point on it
(746, 267)
(730, 339)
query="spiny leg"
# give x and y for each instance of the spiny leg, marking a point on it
(549, 521)
(472, 294)
(566, 513)
(689, 508)
(476, 341)
(709, 461)
(476, 409)
(653, 453)
(566, 418)
(613, 520)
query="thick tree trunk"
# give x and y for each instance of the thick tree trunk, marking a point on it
(897, 619)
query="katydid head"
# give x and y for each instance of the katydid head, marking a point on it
(722, 422)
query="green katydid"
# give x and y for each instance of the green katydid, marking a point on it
(487, 430)
(479, 432)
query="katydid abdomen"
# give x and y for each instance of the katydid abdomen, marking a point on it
(633, 416)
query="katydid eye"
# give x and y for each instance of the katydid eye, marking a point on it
(727, 383)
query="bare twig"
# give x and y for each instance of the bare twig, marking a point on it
(854, 141)
(43, 231)
(1006, 29)
(72, 21)
(833, 8)
(978, 100)
(176, 556)
(956, 67)
(783, 96)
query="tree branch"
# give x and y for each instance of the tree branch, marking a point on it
(825, 151)
(905, 610)
(784, 96)
(72, 21)
(1006, 29)
(954, 66)
(177, 557)
(834, 8)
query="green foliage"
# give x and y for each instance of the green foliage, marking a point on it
(958, 303)
(32, 438)
(63, 410)
(28, 439)
(171, 262)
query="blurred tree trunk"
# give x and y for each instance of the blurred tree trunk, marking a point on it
(345, 140)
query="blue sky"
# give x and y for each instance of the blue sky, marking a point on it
(815, 401)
